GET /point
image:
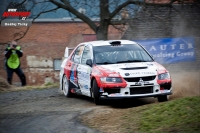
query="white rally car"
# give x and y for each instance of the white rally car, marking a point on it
(113, 69)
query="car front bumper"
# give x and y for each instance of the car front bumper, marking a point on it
(128, 95)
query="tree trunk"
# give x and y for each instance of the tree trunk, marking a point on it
(102, 32)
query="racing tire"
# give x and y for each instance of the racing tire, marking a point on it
(163, 98)
(96, 93)
(66, 87)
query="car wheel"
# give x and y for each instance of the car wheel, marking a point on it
(96, 93)
(66, 87)
(163, 98)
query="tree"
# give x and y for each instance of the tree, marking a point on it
(109, 12)
(106, 16)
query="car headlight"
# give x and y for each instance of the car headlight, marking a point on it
(111, 80)
(163, 76)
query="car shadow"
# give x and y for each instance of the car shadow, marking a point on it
(120, 103)
(129, 102)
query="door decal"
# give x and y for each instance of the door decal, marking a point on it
(73, 74)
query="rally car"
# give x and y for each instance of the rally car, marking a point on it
(113, 69)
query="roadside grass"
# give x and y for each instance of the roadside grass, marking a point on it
(38, 87)
(179, 116)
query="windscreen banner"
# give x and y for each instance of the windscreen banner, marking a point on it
(170, 50)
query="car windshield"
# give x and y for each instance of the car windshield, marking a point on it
(120, 54)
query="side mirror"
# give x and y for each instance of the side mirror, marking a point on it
(89, 62)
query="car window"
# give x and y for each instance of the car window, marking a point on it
(86, 55)
(119, 54)
(77, 54)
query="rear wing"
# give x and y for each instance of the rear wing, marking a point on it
(67, 51)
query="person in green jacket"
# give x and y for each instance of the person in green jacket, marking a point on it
(13, 53)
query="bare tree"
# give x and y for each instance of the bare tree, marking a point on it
(107, 16)
(108, 12)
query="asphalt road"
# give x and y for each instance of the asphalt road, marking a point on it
(43, 111)
(49, 111)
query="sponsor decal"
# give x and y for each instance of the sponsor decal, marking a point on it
(150, 64)
(116, 94)
(101, 89)
(113, 75)
(88, 70)
(83, 76)
(126, 74)
(164, 91)
(80, 86)
(73, 74)
(145, 73)
(86, 86)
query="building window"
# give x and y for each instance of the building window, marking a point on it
(57, 64)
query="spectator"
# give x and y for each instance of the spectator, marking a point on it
(13, 53)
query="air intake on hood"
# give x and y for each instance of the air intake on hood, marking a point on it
(133, 68)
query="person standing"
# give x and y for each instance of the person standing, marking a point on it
(13, 53)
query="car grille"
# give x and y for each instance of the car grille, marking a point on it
(136, 79)
(112, 90)
(141, 90)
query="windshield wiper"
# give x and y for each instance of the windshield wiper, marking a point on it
(131, 61)
(104, 63)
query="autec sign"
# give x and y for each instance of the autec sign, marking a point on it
(170, 50)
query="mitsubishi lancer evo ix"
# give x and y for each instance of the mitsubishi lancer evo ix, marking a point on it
(113, 69)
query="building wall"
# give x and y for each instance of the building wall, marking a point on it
(43, 43)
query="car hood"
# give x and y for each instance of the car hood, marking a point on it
(140, 69)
